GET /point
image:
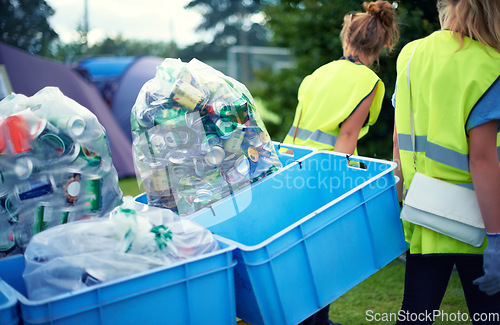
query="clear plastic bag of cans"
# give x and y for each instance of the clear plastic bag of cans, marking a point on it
(55, 166)
(135, 238)
(197, 137)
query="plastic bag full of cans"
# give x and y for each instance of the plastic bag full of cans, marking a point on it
(55, 166)
(135, 238)
(197, 137)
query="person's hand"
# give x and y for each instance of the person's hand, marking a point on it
(490, 281)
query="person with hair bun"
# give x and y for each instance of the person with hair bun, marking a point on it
(339, 101)
(454, 75)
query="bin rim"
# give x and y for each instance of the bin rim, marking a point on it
(28, 302)
(392, 165)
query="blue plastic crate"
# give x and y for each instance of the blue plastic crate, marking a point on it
(308, 234)
(8, 306)
(200, 290)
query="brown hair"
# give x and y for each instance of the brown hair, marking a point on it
(372, 30)
(477, 19)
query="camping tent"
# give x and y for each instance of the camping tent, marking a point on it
(119, 80)
(28, 74)
(105, 72)
(129, 85)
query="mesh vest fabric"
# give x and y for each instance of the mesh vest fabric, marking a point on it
(446, 84)
(328, 97)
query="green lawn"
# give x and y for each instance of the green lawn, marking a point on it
(129, 186)
(382, 293)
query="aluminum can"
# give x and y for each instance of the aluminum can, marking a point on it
(158, 142)
(241, 108)
(72, 125)
(239, 171)
(40, 225)
(225, 128)
(159, 176)
(54, 143)
(233, 144)
(156, 100)
(186, 95)
(93, 192)
(165, 115)
(253, 154)
(177, 156)
(10, 204)
(209, 141)
(23, 167)
(145, 117)
(178, 171)
(7, 238)
(16, 134)
(72, 189)
(91, 158)
(215, 156)
(32, 189)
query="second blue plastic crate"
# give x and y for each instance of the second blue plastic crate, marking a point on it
(198, 291)
(8, 306)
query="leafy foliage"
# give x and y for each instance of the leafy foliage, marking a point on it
(24, 24)
(118, 46)
(231, 22)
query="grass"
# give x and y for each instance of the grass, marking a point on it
(382, 293)
(129, 186)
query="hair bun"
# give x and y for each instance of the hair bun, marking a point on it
(382, 10)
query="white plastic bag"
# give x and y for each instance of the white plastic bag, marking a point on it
(197, 137)
(134, 239)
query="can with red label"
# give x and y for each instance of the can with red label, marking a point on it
(16, 135)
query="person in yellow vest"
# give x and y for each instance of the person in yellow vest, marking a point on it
(340, 100)
(455, 101)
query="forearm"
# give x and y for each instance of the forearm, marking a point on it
(486, 178)
(346, 143)
(397, 172)
(485, 172)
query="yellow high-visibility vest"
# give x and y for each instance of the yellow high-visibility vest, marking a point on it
(446, 84)
(328, 97)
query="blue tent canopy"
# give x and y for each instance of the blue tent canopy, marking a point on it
(106, 67)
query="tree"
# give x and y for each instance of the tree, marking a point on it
(117, 46)
(24, 24)
(232, 22)
(310, 29)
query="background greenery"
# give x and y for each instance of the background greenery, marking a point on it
(308, 28)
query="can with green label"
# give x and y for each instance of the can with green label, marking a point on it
(93, 191)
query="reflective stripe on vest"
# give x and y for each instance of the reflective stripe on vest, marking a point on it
(318, 136)
(434, 151)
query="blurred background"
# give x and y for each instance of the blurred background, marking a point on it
(115, 46)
